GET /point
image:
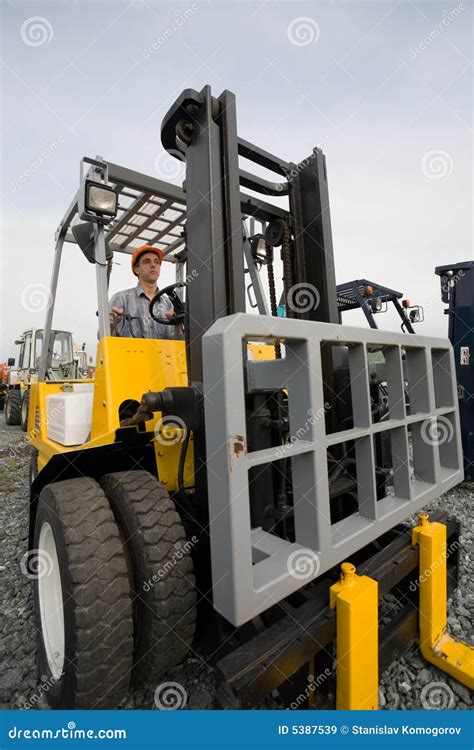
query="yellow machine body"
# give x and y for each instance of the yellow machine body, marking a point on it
(126, 368)
(355, 599)
(449, 654)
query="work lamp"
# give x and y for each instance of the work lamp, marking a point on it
(97, 202)
(259, 248)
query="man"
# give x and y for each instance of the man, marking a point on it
(129, 309)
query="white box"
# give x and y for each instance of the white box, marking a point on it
(69, 417)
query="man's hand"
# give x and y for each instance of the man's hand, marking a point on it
(169, 314)
(116, 315)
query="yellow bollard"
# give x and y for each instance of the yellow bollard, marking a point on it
(454, 657)
(356, 601)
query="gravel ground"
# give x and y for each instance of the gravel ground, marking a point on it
(409, 683)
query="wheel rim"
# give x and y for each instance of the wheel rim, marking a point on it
(51, 601)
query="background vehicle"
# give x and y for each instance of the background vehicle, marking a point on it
(3, 384)
(63, 365)
(211, 487)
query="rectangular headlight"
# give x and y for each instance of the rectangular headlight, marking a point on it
(102, 200)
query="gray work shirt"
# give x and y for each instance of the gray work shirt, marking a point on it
(135, 303)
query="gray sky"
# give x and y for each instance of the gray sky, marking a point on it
(385, 88)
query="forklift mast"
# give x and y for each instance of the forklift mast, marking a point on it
(204, 130)
(457, 291)
(293, 455)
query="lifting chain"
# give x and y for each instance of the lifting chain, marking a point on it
(272, 291)
(287, 269)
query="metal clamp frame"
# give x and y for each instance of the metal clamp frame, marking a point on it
(252, 569)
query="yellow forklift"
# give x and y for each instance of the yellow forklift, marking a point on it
(207, 490)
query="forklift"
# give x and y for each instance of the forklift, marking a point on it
(373, 299)
(207, 490)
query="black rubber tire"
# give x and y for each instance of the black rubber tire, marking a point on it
(13, 407)
(96, 598)
(25, 404)
(33, 467)
(163, 585)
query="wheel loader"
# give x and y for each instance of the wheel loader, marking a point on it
(200, 495)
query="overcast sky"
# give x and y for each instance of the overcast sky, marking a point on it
(385, 88)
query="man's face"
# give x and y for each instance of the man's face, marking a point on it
(148, 268)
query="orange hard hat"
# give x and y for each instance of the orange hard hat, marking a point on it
(145, 249)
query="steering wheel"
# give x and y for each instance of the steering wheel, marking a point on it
(180, 312)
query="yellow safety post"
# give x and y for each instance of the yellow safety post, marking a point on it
(437, 646)
(357, 652)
